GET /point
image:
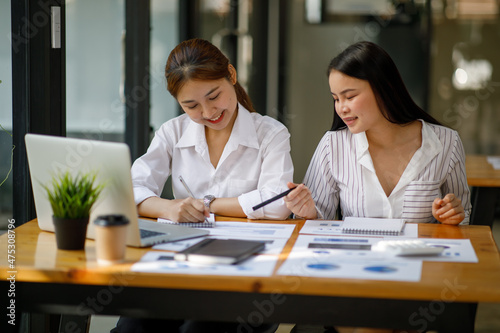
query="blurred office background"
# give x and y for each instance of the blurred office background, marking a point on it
(448, 53)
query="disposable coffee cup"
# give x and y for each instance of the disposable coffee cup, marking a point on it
(110, 238)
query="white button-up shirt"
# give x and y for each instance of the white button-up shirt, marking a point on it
(255, 164)
(342, 170)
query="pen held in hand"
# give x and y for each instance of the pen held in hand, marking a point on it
(186, 187)
(281, 195)
(189, 191)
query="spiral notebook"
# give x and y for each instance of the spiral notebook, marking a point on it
(372, 226)
(210, 223)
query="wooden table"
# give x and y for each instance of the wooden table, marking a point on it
(485, 183)
(54, 281)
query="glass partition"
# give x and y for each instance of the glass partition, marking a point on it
(94, 107)
(94, 66)
(164, 37)
(6, 147)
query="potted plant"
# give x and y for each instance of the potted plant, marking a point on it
(71, 198)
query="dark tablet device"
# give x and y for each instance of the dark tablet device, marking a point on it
(220, 251)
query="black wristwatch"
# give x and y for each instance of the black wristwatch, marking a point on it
(207, 200)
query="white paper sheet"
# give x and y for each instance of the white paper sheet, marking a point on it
(327, 227)
(251, 229)
(333, 243)
(456, 250)
(273, 245)
(338, 267)
(162, 262)
(350, 257)
(318, 256)
(494, 161)
(275, 236)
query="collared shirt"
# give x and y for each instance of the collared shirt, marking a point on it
(255, 164)
(342, 170)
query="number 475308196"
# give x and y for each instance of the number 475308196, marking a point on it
(11, 246)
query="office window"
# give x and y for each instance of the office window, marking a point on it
(94, 107)
(94, 66)
(464, 89)
(5, 115)
(164, 37)
(224, 22)
(240, 30)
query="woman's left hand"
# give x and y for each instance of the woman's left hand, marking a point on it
(448, 210)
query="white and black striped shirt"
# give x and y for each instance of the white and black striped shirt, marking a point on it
(342, 170)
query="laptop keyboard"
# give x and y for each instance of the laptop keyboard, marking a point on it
(150, 233)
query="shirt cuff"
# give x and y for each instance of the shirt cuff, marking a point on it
(249, 200)
(276, 210)
(141, 194)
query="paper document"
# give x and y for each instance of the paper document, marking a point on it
(455, 250)
(273, 245)
(250, 229)
(163, 262)
(346, 257)
(494, 161)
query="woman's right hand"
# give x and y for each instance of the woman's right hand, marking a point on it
(300, 201)
(187, 210)
(177, 210)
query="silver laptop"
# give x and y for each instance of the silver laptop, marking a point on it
(48, 155)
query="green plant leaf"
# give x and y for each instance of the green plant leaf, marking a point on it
(73, 196)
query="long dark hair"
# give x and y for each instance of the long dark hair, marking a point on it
(368, 61)
(198, 59)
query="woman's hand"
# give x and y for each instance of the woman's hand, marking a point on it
(300, 201)
(187, 210)
(448, 210)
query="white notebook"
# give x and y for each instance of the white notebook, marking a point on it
(372, 226)
(209, 223)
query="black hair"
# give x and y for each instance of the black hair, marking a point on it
(368, 61)
(198, 59)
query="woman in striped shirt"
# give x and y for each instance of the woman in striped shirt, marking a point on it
(384, 156)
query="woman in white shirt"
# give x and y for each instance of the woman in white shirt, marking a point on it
(384, 156)
(231, 157)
